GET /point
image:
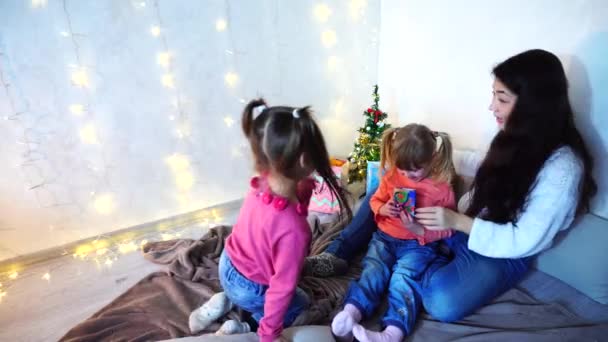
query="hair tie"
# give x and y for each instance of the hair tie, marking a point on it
(435, 134)
(295, 113)
(438, 139)
(257, 110)
(395, 133)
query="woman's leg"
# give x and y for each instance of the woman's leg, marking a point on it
(453, 288)
(352, 240)
(357, 234)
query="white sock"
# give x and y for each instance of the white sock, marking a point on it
(390, 334)
(217, 306)
(342, 324)
(232, 327)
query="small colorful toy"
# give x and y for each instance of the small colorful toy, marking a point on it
(405, 199)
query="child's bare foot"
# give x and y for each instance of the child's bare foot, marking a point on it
(390, 334)
(217, 306)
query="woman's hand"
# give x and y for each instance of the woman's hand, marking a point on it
(389, 209)
(438, 218)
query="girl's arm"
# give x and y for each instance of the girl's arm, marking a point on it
(381, 202)
(448, 201)
(288, 253)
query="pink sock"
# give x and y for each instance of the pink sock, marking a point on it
(343, 323)
(390, 334)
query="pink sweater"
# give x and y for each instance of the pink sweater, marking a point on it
(268, 245)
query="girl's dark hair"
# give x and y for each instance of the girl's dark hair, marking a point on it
(415, 146)
(541, 121)
(279, 138)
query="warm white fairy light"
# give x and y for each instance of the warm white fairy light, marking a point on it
(2, 295)
(155, 30)
(167, 81)
(231, 79)
(39, 3)
(80, 78)
(163, 59)
(104, 204)
(13, 275)
(64, 33)
(108, 262)
(339, 107)
(333, 63)
(229, 121)
(171, 117)
(220, 25)
(357, 8)
(102, 251)
(166, 236)
(178, 162)
(47, 276)
(76, 109)
(88, 134)
(328, 38)
(184, 180)
(127, 247)
(322, 12)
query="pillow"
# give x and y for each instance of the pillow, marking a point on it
(579, 257)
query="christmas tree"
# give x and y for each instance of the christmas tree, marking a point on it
(367, 146)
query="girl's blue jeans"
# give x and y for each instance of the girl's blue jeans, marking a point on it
(452, 286)
(250, 296)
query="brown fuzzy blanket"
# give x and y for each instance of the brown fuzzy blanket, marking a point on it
(158, 306)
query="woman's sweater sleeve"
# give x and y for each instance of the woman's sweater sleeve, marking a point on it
(550, 207)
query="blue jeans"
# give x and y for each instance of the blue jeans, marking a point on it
(455, 286)
(250, 296)
(356, 235)
(399, 265)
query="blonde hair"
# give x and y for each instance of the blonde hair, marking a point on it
(415, 146)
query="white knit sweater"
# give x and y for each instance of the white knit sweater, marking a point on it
(550, 208)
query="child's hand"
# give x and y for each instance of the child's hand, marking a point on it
(410, 224)
(389, 209)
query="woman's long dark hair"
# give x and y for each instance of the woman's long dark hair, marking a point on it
(542, 120)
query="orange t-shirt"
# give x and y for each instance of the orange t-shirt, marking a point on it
(429, 193)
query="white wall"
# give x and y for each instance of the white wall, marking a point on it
(436, 57)
(67, 176)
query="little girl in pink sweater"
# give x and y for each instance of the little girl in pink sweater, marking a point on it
(261, 264)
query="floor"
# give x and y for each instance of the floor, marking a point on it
(43, 301)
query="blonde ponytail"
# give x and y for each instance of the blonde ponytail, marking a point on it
(443, 165)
